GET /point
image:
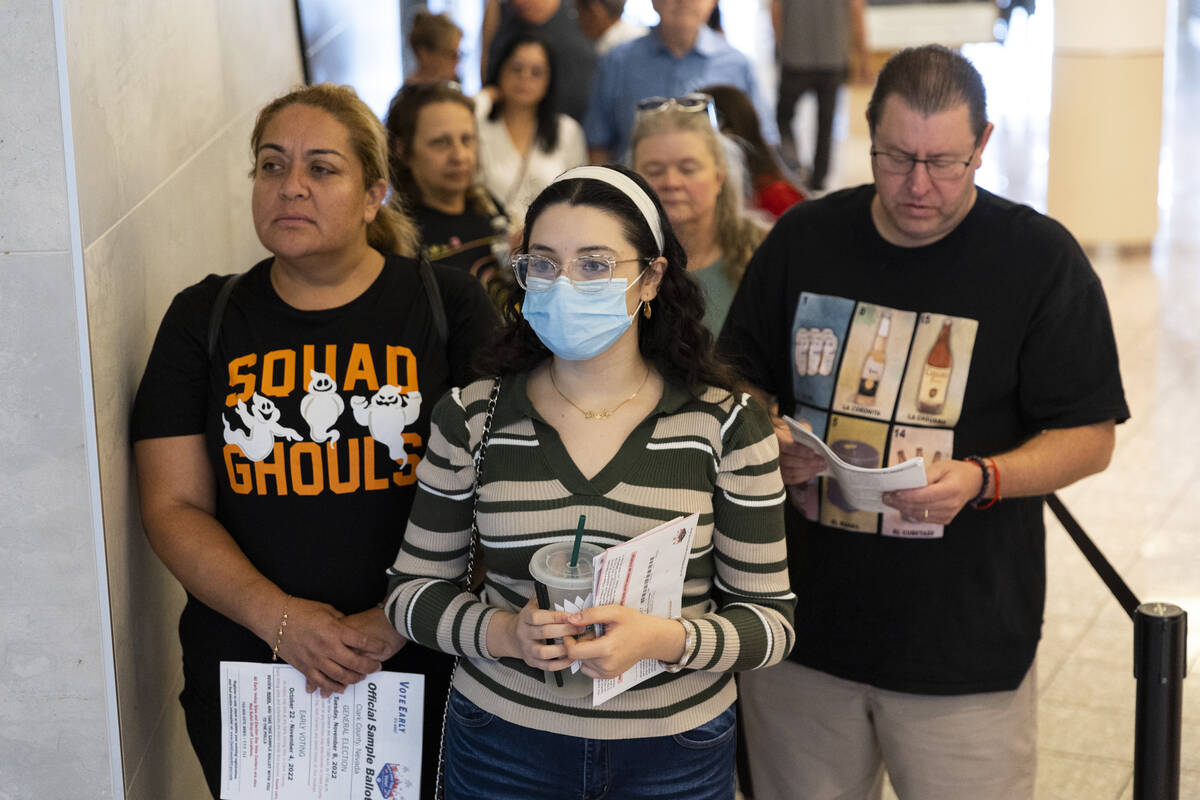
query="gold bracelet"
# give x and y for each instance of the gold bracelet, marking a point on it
(279, 633)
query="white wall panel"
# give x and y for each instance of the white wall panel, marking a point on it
(163, 96)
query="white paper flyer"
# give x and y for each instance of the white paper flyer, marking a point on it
(645, 573)
(862, 487)
(282, 743)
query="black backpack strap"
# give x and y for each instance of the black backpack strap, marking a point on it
(436, 306)
(424, 268)
(218, 312)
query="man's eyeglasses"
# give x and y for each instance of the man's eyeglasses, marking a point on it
(698, 102)
(946, 169)
(587, 274)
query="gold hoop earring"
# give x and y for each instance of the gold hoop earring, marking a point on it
(646, 310)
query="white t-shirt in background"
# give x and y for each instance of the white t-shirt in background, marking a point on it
(501, 166)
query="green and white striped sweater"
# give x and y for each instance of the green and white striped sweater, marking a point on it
(716, 455)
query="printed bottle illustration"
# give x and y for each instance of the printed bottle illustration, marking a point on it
(872, 370)
(935, 376)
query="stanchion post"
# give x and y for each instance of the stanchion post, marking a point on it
(1159, 665)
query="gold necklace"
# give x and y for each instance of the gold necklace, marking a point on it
(603, 413)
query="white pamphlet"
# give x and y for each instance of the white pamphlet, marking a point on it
(281, 743)
(645, 573)
(862, 487)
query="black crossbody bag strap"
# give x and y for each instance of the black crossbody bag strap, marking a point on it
(439, 791)
(437, 307)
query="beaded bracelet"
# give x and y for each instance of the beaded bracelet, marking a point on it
(996, 495)
(977, 461)
(279, 633)
(989, 469)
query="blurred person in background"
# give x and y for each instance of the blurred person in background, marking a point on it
(600, 21)
(678, 151)
(524, 143)
(433, 148)
(768, 188)
(677, 56)
(554, 21)
(814, 44)
(435, 41)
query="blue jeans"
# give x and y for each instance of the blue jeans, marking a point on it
(487, 757)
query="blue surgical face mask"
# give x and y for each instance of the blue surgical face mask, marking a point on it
(579, 325)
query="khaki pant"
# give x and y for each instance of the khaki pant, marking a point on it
(812, 736)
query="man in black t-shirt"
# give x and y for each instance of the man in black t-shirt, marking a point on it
(923, 317)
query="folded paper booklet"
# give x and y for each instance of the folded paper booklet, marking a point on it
(281, 743)
(645, 573)
(863, 487)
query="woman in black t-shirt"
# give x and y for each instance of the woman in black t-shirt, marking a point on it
(433, 146)
(278, 426)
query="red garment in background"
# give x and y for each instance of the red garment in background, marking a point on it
(775, 195)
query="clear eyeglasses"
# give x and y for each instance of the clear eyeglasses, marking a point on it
(945, 169)
(536, 273)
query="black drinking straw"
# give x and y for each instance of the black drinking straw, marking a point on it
(578, 541)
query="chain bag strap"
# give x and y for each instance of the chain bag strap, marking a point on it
(439, 790)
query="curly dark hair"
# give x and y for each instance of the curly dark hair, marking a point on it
(674, 339)
(547, 109)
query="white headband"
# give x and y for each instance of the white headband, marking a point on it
(626, 186)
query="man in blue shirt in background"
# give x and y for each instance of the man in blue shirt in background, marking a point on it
(678, 56)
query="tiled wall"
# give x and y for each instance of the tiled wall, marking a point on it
(163, 101)
(162, 97)
(53, 657)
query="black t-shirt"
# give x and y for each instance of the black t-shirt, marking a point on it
(967, 346)
(314, 422)
(463, 241)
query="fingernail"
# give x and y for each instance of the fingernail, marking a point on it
(575, 619)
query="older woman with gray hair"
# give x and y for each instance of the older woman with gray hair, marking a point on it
(677, 148)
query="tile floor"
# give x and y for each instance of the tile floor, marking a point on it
(1141, 511)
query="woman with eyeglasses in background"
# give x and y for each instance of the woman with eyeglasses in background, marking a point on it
(435, 41)
(610, 405)
(677, 148)
(433, 151)
(523, 141)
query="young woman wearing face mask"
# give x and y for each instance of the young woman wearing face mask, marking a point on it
(611, 405)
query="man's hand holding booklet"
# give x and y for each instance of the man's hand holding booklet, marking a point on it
(862, 487)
